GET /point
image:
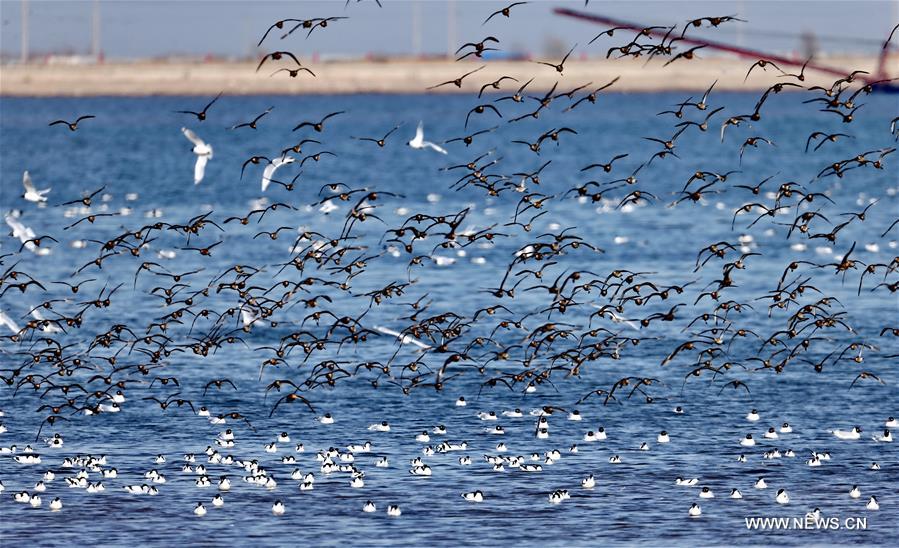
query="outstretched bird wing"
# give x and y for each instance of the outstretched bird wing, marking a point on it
(192, 137)
(28, 183)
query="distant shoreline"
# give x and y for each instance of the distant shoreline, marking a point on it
(154, 78)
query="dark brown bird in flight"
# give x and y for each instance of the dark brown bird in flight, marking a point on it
(320, 125)
(458, 81)
(202, 114)
(277, 56)
(561, 66)
(73, 125)
(505, 12)
(252, 124)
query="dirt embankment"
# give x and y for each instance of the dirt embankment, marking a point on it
(394, 76)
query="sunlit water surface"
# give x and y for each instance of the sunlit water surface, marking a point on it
(135, 146)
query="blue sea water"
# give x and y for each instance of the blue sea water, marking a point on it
(135, 146)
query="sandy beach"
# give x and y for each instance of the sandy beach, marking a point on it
(389, 76)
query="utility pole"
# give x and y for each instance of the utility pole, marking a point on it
(23, 49)
(450, 27)
(416, 28)
(95, 31)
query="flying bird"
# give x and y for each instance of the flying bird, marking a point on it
(277, 56)
(561, 66)
(458, 81)
(202, 114)
(203, 152)
(380, 142)
(73, 125)
(252, 124)
(505, 12)
(419, 140)
(25, 235)
(32, 194)
(5, 320)
(269, 170)
(319, 126)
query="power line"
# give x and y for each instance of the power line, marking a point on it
(24, 46)
(416, 28)
(450, 27)
(95, 31)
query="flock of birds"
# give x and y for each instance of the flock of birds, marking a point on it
(544, 319)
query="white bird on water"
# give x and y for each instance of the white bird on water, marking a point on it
(853, 434)
(203, 152)
(419, 140)
(32, 194)
(269, 170)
